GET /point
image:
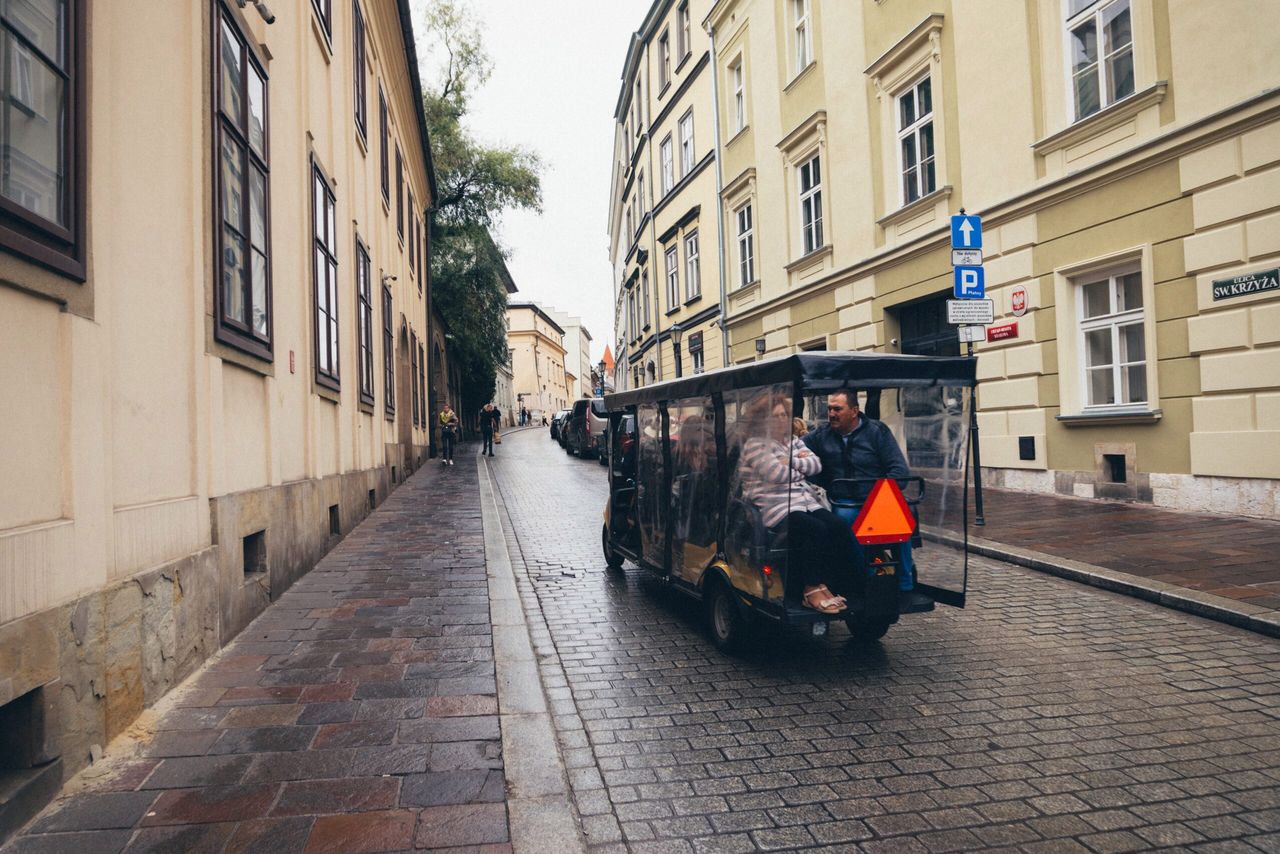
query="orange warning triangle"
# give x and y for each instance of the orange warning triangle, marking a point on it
(885, 516)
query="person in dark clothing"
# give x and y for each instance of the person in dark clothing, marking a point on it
(854, 446)
(488, 423)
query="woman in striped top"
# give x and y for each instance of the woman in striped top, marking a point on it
(776, 469)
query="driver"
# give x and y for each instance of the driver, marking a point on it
(854, 446)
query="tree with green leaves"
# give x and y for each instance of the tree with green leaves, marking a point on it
(477, 183)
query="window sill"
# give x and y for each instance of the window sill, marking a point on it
(800, 75)
(923, 203)
(683, 61)
(805, 260)
(663, 91)
(752, 285)
(390, 415)
(326, 43)
(1103, 120)
(738, 134)
(672, 311)
(322, 387)
(362, 140)
(237, 352)
(691, 300)
(366, 406)
(1119, 416)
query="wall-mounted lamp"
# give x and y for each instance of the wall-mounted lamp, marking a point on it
(263, 10)
(387, 278)
(759, 346)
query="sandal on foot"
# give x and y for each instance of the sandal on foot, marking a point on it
(840, 600)
(822, 601)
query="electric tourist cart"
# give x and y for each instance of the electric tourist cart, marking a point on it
(685, 487)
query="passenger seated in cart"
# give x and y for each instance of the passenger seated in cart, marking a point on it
(776, 469)
(855, 451)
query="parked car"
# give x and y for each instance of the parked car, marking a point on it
(586, 427)
(557, 425)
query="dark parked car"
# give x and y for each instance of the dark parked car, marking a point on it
(586, 426)
(557, 425)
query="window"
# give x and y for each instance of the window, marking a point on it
(359, 70)
(324, 279)
(242, 240)
(1113, 339)
(631, 315)
(413, 234)
(692, 275)
(915, 141)
(384, 166)
(686, 143)
(388, 353)
(667, 156)
(644, 290)
(364, 323)
(683, 44)
(746, 246)
(324, 11)
(413, 376)
(699, 363)
(399, 195)
(811, 204)
(630, 225)
(1099, 78)
(803, 34)
(673, 277)
(640, 194)
(422, 382)
(635, 110)
(739, 95)
(664, 60)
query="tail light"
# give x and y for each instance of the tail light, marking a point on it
(768, 577)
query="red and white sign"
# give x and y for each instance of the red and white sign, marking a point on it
(1003, 331)
(1019, 299)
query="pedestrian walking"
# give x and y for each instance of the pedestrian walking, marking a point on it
(488, 425)
(448, 434)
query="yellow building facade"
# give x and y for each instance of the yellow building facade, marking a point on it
(1122, 155)
(538, 367)
(212, 316)
(663, 228)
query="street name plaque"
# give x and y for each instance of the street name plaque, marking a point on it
(1240, 286)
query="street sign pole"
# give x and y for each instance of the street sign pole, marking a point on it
(962, 234)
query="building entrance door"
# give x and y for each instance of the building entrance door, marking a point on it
(925, 332)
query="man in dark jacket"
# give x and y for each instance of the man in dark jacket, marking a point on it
(854, 446)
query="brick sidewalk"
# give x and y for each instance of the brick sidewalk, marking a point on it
(358, 713)
(1228, 563)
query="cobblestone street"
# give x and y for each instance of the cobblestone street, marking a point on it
(1046, 716)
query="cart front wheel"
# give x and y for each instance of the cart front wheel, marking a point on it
(728, 625)
(611, 558)
(865, 630)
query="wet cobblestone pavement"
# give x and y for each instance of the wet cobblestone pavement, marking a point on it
(1047, 716)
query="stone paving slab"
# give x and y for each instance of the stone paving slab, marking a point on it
(357, 714)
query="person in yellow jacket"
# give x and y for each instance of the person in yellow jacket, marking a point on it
(448, 434)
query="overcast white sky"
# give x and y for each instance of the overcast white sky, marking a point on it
(554, 90)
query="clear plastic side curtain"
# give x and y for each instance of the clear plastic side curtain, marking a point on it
(649, 484)
(757, 438)
(695, 487)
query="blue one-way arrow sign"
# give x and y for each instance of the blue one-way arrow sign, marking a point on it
(966, 232)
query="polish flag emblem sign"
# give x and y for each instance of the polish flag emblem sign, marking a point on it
(885, 516)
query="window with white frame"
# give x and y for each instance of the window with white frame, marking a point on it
(683, 43)
(810, 173)
(1100, 44)
(1112, 338)
(667, 157)
(630, 231)
(692, 274)
(739, 95)
(324, 279)
(673, 277)
(640, 194)
(664, 60)
(915, 141)
(803, 33)
(635, 109)
(699, 363)
(746, 246)
(686, 143)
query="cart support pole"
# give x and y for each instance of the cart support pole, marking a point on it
(977, 455)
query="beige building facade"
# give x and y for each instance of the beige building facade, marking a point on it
(663, 226)
(577, 344)
(1123, 156)
(537, 346)
(212, 309)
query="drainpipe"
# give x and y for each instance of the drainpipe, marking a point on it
(715, 117)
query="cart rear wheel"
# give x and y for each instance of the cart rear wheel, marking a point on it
(868, 630)
(611, 558)
(728, 625)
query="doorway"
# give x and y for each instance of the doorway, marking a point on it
(924, 330)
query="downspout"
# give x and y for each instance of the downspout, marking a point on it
(715, 122)
(653, 227)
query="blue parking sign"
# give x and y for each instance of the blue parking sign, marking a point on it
(970, 283)
(966, 232)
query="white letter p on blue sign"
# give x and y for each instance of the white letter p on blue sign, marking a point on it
(970, 283)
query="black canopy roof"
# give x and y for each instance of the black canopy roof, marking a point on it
(816, 371)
